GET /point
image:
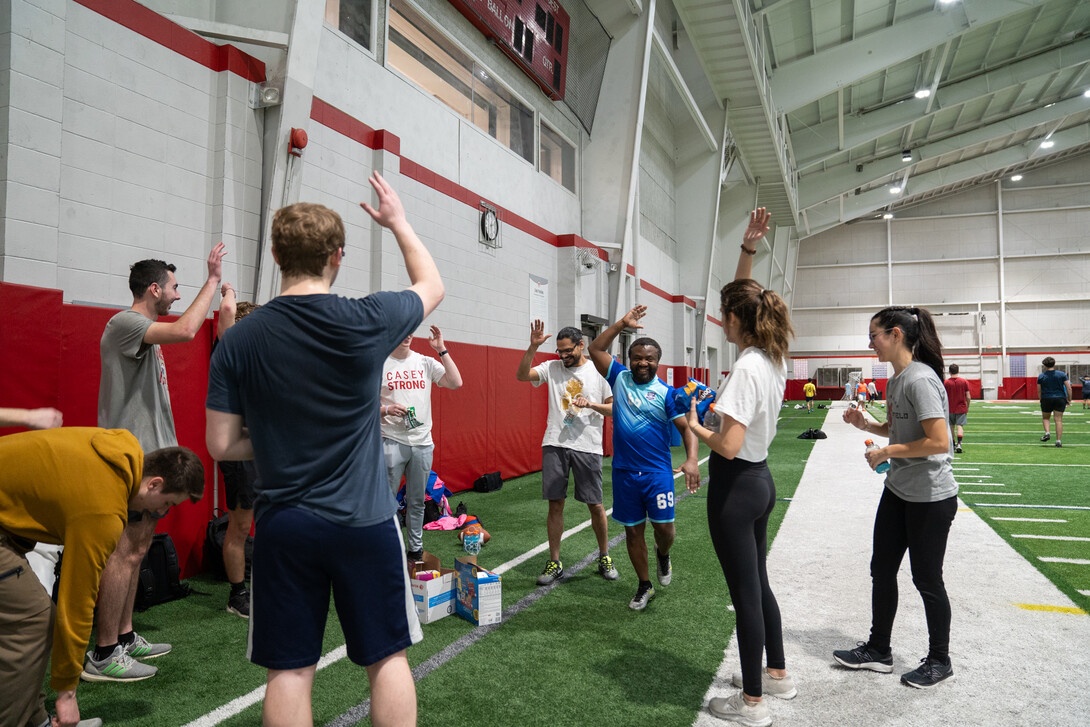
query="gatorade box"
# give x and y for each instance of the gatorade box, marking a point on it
(478, 597)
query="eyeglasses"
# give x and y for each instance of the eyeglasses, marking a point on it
(567, 351)
(871, 336)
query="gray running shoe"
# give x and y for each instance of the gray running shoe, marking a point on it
(553, 569)
(737, 709)
(662, 568)
(606, 569)
(141, 648)
(781, 688)
(117, 667)
(643, 595)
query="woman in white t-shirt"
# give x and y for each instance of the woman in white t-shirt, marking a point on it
(741, 493)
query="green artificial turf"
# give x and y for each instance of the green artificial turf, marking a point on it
(578, 654)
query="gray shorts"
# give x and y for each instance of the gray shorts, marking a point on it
(958, 419)
(587, 467)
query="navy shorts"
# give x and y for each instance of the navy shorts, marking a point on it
(298, 557)
(1053, 404)
(640, 496)
(239, 479)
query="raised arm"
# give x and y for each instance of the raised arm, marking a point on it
(185, 328)
(755, 232)
(538, 336)
(228, 308)
(452, 379)
(423, 274)
(599, 347)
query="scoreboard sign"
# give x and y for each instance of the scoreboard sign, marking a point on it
(534, 33)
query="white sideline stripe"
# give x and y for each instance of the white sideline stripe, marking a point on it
(1029, 507)
(1030, 519)
(1085, 593)
(1076, 561)
(993, 494)
(235, 706)
(1025, 464)
(969, 469)
(1070, 538)
(986, 477)
(981, 484)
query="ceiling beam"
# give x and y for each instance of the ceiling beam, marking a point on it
(825, 217)
(822, 186)
(811, 78)
(817, 143)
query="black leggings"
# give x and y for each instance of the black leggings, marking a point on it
(921, 528)
(741, 495)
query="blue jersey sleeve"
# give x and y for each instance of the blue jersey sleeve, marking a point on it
(615, 370)
(675, 405)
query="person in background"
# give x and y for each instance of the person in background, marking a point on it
(239, 482)
(1085, 391)
(957, 393)
(405, 406)
(1055, 392)
(809, 391)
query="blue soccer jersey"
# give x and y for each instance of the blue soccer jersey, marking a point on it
(643, 416)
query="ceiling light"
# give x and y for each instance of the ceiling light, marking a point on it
(906, 155)
(894, 190)
(1016, 178)
(1047, 144)
(1086, 93)
(887, 216)
(945, 2)
(923, 93)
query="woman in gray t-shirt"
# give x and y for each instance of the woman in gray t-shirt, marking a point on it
(920, 496)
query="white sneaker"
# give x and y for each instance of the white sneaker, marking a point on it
(737, 709)
(781, 688)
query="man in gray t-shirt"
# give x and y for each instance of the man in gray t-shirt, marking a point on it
(133, 395)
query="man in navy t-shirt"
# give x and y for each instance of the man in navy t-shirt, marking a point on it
(644, 409)
(303, 372)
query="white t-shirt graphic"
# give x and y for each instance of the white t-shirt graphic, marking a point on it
(408, 381)
(584, 432)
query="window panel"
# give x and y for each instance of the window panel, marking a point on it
(557, 157)
(351, 17)
(432, 61)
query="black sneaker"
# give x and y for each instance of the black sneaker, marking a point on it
(929, 673)
(1058, 443)
(957, 449)
(239, 603)
(1046, 437)
(414, 555)
(461, 509)
(864, 657)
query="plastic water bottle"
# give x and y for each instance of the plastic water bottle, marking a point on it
(883, 467)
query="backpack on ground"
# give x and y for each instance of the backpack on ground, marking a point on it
(489, 482)
(214, 535)
(159, 572)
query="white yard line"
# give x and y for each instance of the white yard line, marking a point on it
(1030, 519)
(1069, 538)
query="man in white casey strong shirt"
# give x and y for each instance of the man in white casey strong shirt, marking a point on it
(407, 446)
(579, 398)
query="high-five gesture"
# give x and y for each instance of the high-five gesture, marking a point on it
(390, 212)
(435, 339)
(759, 221)
(215, 262)
(538, 335)
(632, 318)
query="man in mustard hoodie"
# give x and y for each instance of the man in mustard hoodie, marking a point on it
(71, 487)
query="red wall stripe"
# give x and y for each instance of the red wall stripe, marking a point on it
(155, 27)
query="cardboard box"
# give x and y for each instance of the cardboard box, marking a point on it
(479, 599)
(434, 599)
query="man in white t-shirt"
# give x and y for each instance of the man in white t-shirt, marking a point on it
(407, 446)
(579, 399)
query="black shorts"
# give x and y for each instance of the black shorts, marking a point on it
(1053, 404)
(238, 484)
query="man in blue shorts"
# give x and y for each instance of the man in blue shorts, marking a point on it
(643, 472)
(303, 371)
(1055, 392)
